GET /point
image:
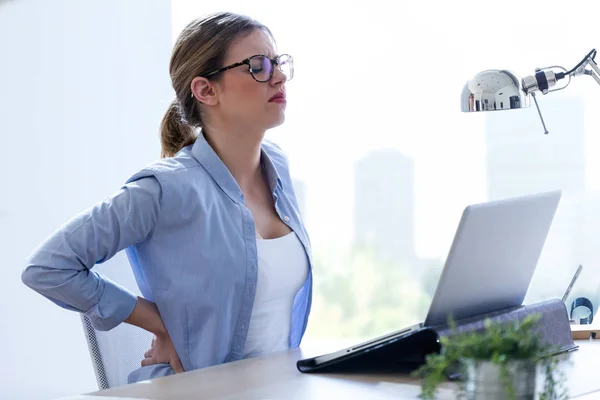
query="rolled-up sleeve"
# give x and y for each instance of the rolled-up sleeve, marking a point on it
(61, 267)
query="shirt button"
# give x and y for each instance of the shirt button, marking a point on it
(242, 327)
(286, 218)
(238, 347)
(253, 268)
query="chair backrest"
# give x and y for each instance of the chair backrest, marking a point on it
(115, 353)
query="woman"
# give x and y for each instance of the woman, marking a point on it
(212, 230)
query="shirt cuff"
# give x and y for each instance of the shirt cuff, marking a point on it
(115, 306)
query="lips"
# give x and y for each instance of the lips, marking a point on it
(278, 97)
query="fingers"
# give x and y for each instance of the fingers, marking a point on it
(148, 361)
(176, 365)
(166, 352)
(148, 354)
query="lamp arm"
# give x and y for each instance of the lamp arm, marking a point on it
(581, 68)
(595, 72)
(546, 78)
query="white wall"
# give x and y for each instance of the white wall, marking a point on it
(83, 85)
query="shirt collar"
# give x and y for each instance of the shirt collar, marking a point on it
(273, 175)
(209, 159)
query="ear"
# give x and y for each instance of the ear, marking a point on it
(204, 91)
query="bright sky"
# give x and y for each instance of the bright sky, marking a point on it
(378, 74)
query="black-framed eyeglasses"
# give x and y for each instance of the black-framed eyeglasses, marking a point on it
(261, 67)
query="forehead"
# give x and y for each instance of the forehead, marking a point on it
(256, 42)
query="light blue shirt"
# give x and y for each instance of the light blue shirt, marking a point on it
(191, 242)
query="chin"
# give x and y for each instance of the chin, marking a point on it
(274, 123)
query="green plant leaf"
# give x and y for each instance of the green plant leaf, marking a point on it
(498, 343)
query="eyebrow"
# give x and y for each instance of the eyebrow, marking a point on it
(269, 53)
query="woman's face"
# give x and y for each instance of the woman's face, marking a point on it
(241, 98)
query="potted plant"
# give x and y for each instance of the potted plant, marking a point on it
(500, 362)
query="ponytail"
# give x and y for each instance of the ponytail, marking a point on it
(200, 49)
(175, 134)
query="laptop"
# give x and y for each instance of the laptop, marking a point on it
(489, 267)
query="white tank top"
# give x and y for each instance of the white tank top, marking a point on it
(282, 270)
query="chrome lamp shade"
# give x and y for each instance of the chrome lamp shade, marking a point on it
(500, 89)
(493, 90)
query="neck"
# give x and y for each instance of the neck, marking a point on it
(240, 152)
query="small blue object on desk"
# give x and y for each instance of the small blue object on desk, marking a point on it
(582, 303)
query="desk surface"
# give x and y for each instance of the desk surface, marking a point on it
(276, 377)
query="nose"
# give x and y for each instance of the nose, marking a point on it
(278, 77)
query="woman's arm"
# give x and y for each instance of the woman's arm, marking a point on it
(61, 267)
(145, 315)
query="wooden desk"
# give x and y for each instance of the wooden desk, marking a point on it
(276, 377)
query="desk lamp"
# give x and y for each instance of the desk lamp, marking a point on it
(495, 89)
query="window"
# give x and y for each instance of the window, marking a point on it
(385, 161)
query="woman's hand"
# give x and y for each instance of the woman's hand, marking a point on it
(146, 316)
(162, 351)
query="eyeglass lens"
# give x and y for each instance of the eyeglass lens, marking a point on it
(261, 67)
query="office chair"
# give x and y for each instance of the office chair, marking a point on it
(115, 353)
